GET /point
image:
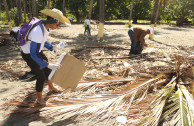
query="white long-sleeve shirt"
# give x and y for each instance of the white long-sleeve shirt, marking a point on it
(88, 22)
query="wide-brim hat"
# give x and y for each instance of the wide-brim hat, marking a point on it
(56, 14)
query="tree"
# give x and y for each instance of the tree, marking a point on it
(19, 12)
(141, 10)
(25, 11)
(49, 1)
(101, 24)
(131, 9)
(7, 13)
(34, 8)
(63, 8)
(78, 8)
(153, 18)
(90, 11)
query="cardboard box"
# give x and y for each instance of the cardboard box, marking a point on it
(70, 72)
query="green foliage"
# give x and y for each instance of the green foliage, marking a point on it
(142, 10)
(114, 9)
(178, 10)
(14, 16)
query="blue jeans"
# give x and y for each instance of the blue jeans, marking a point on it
(134, 44)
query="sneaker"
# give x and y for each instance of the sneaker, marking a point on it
(27, 75)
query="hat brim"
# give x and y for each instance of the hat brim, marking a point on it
(56, 15)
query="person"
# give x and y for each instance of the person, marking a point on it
(137, 36)
(33, 55)
(13, 33)
(87, 26)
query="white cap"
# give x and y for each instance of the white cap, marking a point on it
(151, 30)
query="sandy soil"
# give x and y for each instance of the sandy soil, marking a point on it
(11, 87)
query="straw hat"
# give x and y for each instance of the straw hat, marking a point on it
(57, 14)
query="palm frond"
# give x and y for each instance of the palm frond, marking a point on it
(190, 104)
(101, 109)
(154, 118)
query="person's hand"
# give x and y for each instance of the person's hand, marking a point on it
(61, 45)
(145, 45)
(55, 66)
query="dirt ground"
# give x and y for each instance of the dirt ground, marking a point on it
(12, 65)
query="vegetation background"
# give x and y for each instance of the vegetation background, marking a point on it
(167, 11)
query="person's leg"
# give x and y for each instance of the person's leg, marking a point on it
(133, 43)
(89, 29)
(85, 30)
(29, 61)
(47, 72)
(40, 76)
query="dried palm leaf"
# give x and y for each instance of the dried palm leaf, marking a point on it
(174, 108)
(103, 107)
(154, 117)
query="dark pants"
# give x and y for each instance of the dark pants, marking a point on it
(87, 28)
(136, 47)
(41, 74)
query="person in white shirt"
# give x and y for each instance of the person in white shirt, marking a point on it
(33, 55)
(87, 26)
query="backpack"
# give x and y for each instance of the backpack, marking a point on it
(85, 24)
(27, 28)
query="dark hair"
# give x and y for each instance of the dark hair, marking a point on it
(49, 18)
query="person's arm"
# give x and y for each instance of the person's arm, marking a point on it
(89, 24)
(142, 40)
(34, 53)
(48, 45)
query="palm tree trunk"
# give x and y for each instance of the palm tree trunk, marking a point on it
(19, 12)
(34, 8)
(131, 10)
(101, 24)
(153, 19)
(37, 7)
(29, 9)
(90, 11)
(7, 13)
(0, 4)
(49, 4)
(64, 11)
(25, 11)
(157, 14)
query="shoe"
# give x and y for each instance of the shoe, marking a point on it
(27, 76)
(40, 103)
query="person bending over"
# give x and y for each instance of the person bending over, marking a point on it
(33, 55)
(137, 36)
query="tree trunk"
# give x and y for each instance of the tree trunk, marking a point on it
(0, 4)
(19, 12)
(33, 8)
(131, 10)
(90, 11)
(157, 14)
(7, 13)
(25, 11)
(30, 9)
(101, 24)
(153, 19)
(64, 10)
(49, 1)
(37, 7)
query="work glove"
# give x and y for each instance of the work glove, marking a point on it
(61, 45)
(55, 66)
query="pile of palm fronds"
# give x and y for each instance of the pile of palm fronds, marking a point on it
(158, 81)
